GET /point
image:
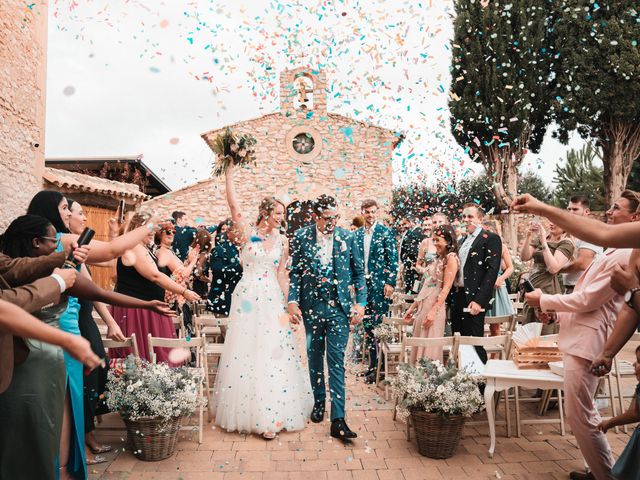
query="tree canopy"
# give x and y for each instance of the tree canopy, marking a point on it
(501, 76)
(598, 81)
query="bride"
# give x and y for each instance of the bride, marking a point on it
(261, 385)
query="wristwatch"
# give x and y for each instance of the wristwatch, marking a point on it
(628, 297)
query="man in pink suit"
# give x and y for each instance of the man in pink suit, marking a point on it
(586, 318)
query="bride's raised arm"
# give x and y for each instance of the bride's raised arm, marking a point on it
(283, 271)
(239, 233)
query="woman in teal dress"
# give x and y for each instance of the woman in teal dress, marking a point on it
(501, 305)
(628, 465)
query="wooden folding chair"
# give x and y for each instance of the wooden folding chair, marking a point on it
(499, 346)
(127, 343)
(199, 343)
(507, 323)
(390, 351)
(212, 326)
(410, 343)
(130, 343)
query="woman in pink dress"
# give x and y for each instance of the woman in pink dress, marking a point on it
(428, 311)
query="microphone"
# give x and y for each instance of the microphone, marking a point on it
(84, 238)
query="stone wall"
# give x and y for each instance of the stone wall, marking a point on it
(23, 47)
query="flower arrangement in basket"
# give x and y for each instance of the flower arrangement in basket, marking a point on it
(152, 399)
(436, 398)
(385, 332)
(232, 148)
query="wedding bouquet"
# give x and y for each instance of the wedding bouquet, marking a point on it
(384, 332)
(233, 148)
(143, 389)
(432, 387)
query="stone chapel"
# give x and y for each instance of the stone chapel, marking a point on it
(302, 151)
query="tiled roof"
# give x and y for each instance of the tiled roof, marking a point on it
(89, 184)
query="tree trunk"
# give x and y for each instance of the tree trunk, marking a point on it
(505, 188)
(509, 229)
(620, 148)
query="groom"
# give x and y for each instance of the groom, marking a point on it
(325, 263)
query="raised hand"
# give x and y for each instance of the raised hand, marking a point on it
(80, 349)
(601, 365)
(68, 275)
(162, 308)
(527, 204)
(191, 296)
(80, 254)
(115, 333)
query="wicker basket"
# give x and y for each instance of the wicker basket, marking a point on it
(152, 438)
(437, 436)
(535, 357)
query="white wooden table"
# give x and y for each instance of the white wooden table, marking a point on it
(504, 374)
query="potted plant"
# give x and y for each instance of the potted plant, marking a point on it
(437, 398)
(152, 400)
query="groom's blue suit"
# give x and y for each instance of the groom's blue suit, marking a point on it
(323, 294)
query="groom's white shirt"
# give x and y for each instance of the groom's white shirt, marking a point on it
(325, 244)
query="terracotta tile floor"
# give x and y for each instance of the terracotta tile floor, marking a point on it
(379, 453)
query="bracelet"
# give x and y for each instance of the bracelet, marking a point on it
(184, 291)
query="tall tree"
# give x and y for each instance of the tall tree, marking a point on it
(598, 81)
(501, 75)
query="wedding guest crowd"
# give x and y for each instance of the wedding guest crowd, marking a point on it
(454, 269)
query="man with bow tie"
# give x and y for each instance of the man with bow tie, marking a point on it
(325, 263)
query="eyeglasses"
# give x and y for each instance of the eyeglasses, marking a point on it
(169, 232)
(53, 239)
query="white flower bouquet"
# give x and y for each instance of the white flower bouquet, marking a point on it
(432, 387)
(143, 389)
(384, 332)
(230, 147)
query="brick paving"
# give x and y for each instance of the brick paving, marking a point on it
(379, 453)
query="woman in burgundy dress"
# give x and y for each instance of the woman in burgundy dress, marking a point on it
(140, 277)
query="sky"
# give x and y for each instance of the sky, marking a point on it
(130, 77)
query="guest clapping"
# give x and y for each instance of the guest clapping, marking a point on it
(550, 252)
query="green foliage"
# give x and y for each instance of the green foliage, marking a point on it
(417, 200)
(599, 77)
(580, 176)
(501, 74)
(633, 182)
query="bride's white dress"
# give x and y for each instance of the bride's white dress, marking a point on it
(261, 384)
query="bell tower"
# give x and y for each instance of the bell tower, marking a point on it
(303, 92)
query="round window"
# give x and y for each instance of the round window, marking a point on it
(303, 143)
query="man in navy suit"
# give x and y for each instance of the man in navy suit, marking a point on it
(325, 263)
(380, 270)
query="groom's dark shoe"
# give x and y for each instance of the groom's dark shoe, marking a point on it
(317, 414)
(340, 430)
